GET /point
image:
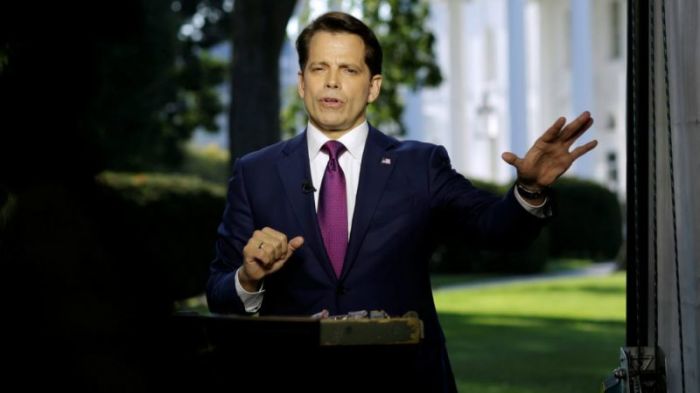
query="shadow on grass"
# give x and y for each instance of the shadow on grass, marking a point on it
(503, 353)
(592, 288)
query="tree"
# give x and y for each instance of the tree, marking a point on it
(113, 89)
(410, 61)
(258, 29)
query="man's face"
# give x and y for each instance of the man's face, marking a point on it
(335, 84)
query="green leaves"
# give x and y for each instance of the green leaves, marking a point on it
(408, 52)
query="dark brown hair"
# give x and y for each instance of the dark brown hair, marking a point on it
(340, 22)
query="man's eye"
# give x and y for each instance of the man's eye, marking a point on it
(351, 71)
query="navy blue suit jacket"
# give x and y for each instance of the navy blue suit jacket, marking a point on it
(404, 187)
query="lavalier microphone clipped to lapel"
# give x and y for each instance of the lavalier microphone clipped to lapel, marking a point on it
(307, 187)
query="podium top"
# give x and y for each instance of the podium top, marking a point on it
(305, 331)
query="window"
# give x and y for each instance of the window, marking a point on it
(612, 166)
(615, 30)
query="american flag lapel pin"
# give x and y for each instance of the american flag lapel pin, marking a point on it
(386, 161)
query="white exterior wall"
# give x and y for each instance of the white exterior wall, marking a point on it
(488, 104)
(677, 209)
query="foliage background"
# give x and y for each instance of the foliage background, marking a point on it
(95, 244)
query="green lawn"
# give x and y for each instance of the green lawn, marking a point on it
(445, 280)
(559, 336)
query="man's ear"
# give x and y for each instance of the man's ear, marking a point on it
(300, 84)
(375, 85)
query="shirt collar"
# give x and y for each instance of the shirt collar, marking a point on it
(353, 140)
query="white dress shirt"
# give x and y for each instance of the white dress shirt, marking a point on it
(350, 161)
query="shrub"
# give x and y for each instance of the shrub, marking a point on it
(454, 255)
(172, 221)
(587, 224)
(209, 162)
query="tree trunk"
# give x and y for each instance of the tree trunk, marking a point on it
(258, 33)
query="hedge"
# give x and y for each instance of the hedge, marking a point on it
(587, 224)
(157, 231)
(173, 221)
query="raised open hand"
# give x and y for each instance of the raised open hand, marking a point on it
(550, 156)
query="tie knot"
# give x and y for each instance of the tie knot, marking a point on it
(333, 148)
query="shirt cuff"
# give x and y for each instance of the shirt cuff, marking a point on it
(252, 301)
(536, 210)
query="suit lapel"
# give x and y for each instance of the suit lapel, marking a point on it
(375, 170)
(294, 170)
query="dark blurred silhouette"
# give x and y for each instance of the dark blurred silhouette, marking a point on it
(84, 88)
(86, 302)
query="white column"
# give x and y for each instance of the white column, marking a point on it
(517, 105)
(456, 85)
(582, 75)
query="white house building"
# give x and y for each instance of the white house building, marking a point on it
(511, 68)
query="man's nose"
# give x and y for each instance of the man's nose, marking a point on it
(332, 80)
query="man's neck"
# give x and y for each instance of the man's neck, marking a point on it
(354, 139)
(336, 134)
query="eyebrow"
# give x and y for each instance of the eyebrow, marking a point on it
(341, 65)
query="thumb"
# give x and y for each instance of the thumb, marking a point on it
(295, 244)
(511, 158)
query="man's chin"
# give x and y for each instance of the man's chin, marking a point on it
(333, 127)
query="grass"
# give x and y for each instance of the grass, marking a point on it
(440, 280)
(557, 336)
(563, 264)
(445, 280)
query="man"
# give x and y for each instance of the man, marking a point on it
(344, 218)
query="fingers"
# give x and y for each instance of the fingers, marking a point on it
(295, 243)
(577, 127)
(510, 158)
(572, 138)
(266, 246)
(581, 150)
(568, 133)
(553, 131)
(267, 251)
(275, 241)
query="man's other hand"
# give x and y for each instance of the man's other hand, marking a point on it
(265, 253)
(550, 157)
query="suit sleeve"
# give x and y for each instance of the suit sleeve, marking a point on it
(236, 227)
(486, 219)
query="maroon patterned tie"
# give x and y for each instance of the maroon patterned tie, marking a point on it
(333, 207)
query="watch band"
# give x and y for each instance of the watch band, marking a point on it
(531, 194)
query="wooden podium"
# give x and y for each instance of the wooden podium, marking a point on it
(260, 354)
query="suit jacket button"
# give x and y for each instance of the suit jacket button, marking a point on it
(341, 290)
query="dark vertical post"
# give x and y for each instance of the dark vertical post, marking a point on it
(638, 173)
(259, 30)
